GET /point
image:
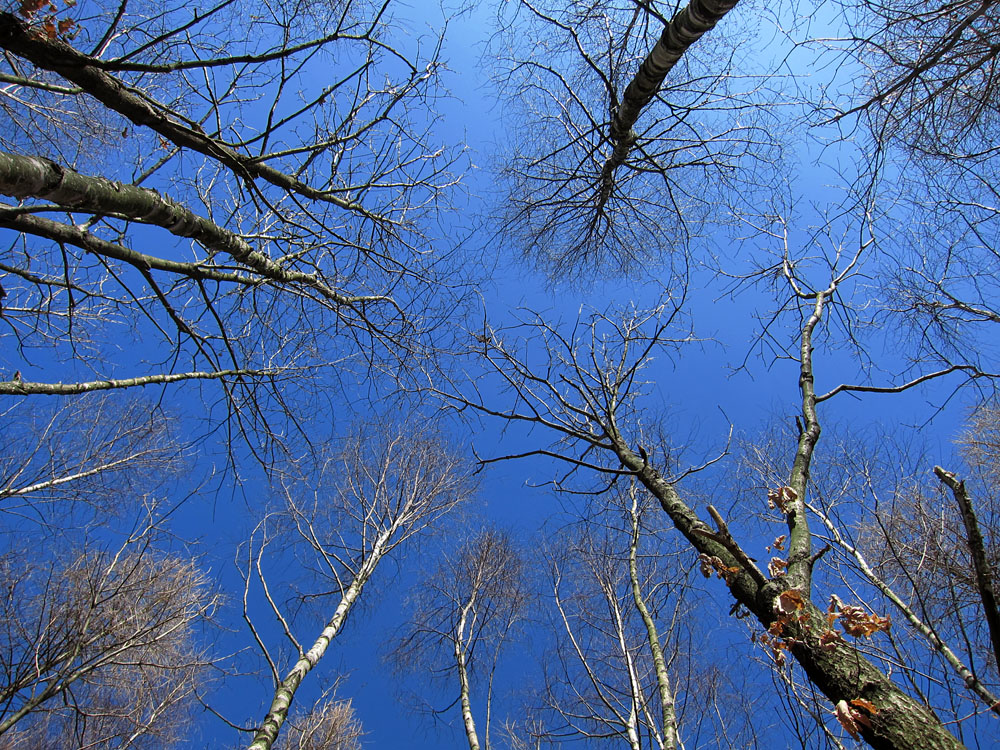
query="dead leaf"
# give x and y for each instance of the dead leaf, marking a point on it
(781, 497)
(790, 601)
(846, 718)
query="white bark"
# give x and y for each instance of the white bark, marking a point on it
(24, 388)
(463, 677)
(284, 694)
(669, 737)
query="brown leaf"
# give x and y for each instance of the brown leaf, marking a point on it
(866, 705)
(829, 640)
(29, 8)
(778, 544)
(846, 718)
(790, 601)
(705, 564)
(858, 623)
(776, 567)
(708, 563)
(781, 497)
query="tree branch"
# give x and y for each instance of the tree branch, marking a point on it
(24, 388)
(684, 29)
(977, 549)
(57, 56)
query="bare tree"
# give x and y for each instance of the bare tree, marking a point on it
(388, 483)
(106, 615)
(77, 460)
(183, 179)
(238, 195)
(631, 659)
(330, 725)
(99, 648)
(916, 99)
(99, 620)
(246, 192)
(931, 73)
(585, 389)
(617, 609)
(465, 612)
(629, 130)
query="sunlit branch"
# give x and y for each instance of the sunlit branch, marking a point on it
(973, 370)
(22, 176)
(59, 57)
(26, 388)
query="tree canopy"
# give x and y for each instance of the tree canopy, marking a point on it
(620, 373)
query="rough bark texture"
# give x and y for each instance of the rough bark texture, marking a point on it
(842, 673)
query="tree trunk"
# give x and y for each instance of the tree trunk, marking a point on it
(463, 678)
(285, 692)
(670, 738)
(684, 29)
(841, 672)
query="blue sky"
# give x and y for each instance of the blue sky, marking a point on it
(729, 376)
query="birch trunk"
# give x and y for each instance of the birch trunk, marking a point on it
(463, 679)
(670, 737)
(284, 694)
(684, 29)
